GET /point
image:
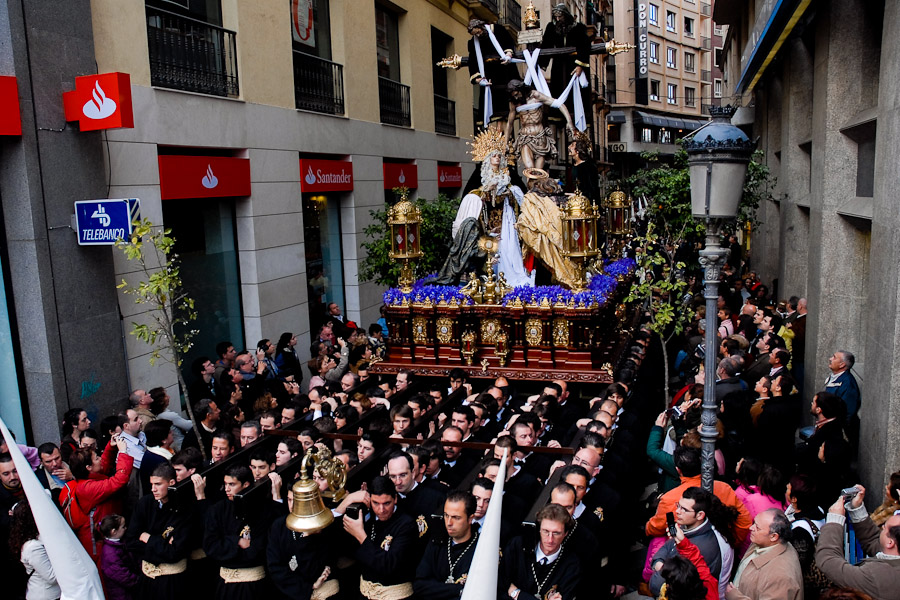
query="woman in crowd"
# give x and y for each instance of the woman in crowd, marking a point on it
(75, 422)
(25, 542)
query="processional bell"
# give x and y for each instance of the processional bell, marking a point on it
(309, 513)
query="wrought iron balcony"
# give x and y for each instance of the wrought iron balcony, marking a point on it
(187, 54)
(318, 84)
(444, 115)
(511, 14)
(491, 5)
(393, 99)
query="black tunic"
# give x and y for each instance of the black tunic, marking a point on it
(220, 542)
(561, 71)
(310, 555)
(495, 71)
(170, 528)
(519, 567)
(434, 569)
(389, 563)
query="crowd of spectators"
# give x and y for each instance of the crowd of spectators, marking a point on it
(170, 508)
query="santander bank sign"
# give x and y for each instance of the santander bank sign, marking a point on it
(100, 102)
(325, 175)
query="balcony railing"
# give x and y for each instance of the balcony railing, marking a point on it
(705, 76)
(707, 44)
(444, 115)
(394, 101)
(491, 5)
(705, 9)
(511, 14)
(187, 54)
(318, 84)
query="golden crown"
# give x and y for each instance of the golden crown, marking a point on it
(486, 142)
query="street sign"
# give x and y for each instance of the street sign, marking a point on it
(102, 222)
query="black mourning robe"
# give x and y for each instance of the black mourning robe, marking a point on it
(171, 530)
(516, 568)
(434, 569)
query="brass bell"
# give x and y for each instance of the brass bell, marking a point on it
(309, 514)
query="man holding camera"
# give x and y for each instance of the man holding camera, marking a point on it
(387, 551)
(876, 576)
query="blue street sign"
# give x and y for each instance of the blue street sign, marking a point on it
(102, 222)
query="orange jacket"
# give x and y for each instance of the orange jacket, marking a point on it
(657, 524)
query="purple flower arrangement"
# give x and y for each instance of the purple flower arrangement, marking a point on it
(599, 290)
(621, 267)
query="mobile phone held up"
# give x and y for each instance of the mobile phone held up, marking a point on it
(670, 523)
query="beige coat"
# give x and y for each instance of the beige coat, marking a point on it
(775, 575)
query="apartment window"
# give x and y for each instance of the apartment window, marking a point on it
(653, 15)
(717, 88)
(688, 27)
(690, 96)
(670, 21)
(690, 64)
(654, 90)
(387, 43)
(665, 136)
(717, 54)
(654, 52)
(647, 135)
(672, 94)
(672, 58)
(717, 30)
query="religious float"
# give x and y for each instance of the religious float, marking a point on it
(532, 287)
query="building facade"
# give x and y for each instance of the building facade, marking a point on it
(264, 134)
(827, 122)
(656, 92)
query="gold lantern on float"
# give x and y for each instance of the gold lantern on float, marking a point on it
(404, 220)
(618, 215)
(309, 513)
(580, 243)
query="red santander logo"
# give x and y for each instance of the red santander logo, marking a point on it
(100, 102)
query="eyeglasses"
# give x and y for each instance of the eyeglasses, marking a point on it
(553, 534)
(680, 508)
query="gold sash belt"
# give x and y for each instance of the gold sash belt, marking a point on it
(326, 590)
(242, 575)
(153, 571)
(377, 591)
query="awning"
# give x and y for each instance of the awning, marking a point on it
(670, 122)
(615, 116)
(772, 27)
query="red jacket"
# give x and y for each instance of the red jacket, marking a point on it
(93, 499)
(691, 552)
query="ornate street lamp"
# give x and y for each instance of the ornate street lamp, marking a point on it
(404, 220)
(718, 155)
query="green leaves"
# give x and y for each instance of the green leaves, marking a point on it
(434, 234)
(667, 188)
(151, 249)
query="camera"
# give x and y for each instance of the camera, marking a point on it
(849, 493)
(355, 510)
(673, 412)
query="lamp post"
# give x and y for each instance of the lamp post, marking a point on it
(718, 155)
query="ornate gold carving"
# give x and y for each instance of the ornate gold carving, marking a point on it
(560, 332)
(613, 47)
(534, 334)
(502, 348)
(490, 328)
(452, 62)
(488, 141)
(420, 329)
(444, 329)
(468, 346)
